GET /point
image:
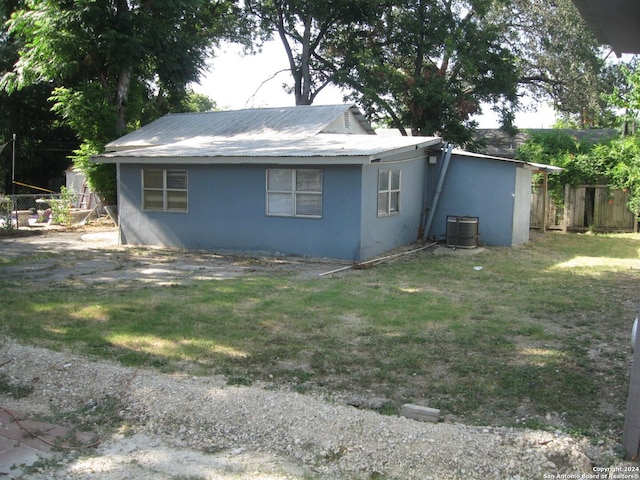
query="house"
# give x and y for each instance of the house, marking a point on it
(306, 180)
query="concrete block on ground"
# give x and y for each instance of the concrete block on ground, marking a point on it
(418, 412)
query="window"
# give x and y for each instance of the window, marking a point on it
(388, 192)
(294, 192)
(165, 190)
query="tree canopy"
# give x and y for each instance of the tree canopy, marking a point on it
(112, 64)
(42, 142)
(305, 29)
(123, 47)
(561, 149)
(428, 66)
(559, 59)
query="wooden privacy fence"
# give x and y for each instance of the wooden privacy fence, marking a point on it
(586, 207)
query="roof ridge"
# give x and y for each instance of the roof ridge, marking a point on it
(346, 106)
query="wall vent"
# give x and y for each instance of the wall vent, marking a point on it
(347, 122)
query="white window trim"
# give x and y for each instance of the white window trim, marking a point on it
(389, 191)
(165, 189)
(293, 192)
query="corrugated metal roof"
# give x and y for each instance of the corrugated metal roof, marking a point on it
(289, 122)
(537, 167)
(356, 149)
(541, 167)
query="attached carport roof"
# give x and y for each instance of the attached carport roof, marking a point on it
(613, 22)
(536, 167)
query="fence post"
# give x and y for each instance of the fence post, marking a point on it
(15, 211)
(631, 435)
(545, 200)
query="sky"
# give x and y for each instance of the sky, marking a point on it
(235, 82)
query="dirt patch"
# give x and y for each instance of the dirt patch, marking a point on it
(90, 256)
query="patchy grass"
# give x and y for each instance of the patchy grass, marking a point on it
(15, 390)
(538, 337)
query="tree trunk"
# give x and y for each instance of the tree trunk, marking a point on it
(124, 77)
(303, 89)
(124, 80)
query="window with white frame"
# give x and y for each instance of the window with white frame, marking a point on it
(388, 192)
(165, 190)
(294, 192)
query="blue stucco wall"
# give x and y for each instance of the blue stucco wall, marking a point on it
(227, 213)
(381, 234)
(227, 209)
(485, 188)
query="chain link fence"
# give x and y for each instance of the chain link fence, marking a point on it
(35, 210)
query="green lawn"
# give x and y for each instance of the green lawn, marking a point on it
(538, 337)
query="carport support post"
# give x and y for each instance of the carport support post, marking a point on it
(631, 436)
(545, 201)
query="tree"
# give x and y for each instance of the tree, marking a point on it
(197, 102)
(625, 155)
(431, 65)
(558, 57)
(428, 65)
(626, 94)
(112, 61)
(303, 27)
(42, 143)
(122, 46)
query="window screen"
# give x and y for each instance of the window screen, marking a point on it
(294, 192)
(165, 190)
(388, 192)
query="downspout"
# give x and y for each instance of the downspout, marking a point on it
(446, 156)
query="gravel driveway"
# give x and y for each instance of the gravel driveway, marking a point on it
(186, 427)
(198, 427)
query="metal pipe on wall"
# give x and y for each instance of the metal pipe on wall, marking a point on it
(446, 157)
